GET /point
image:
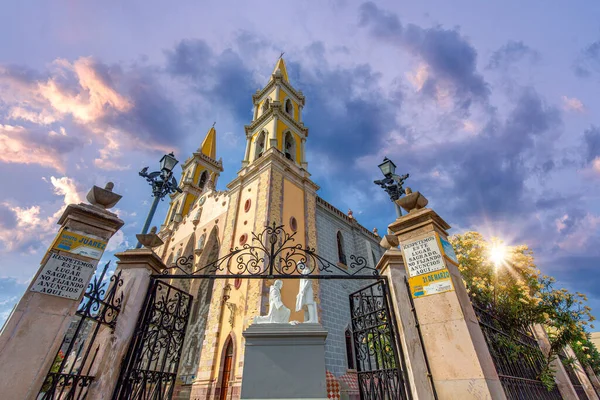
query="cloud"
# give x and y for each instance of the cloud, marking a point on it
(577, 230)
(28, 228)
(451, 59)
(68, 188)
(19, 145)
(591, 140)
(118, 108)
(221, 78)
(511, 53)
(573, 104)
(93, 98)
(588, 61)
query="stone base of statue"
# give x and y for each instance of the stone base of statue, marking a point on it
(284, 361)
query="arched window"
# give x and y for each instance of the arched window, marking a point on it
(289, 108)
(259, 146)
(265, 106)
(227, 369)
(203, 179)
(340, 246)
(200, 244)
(349, 349)
(174, 211)
(289, 146)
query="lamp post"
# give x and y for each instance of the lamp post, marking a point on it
(392, 183)
(163, 183)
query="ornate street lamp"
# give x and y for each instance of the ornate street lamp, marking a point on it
(163, 183)
(392, 183)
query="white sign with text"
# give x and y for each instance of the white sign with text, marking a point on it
(423, 256)
(64, 276)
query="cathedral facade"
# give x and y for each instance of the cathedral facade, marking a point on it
(273, 186)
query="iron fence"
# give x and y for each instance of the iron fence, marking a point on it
(70, 375)
(518, 373)
(570, 369)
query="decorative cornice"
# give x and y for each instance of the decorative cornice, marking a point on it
(275, 110)
(346, 218)
(273, 158)
(279, 80)
(218, 165)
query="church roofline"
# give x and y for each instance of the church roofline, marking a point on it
(353, 221)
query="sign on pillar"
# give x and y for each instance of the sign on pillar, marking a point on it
(425, 265)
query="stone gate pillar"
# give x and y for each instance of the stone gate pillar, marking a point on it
(458, 356)
(581, 375)
(136, 266)
(563, 383)
(34, 332)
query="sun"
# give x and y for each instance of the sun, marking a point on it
(498, 254)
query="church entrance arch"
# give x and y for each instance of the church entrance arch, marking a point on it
(150, 367)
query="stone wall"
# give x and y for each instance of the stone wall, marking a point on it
(334, 294)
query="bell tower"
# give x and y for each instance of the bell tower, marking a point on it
(272, 187)
(277, 121)
(200, 173)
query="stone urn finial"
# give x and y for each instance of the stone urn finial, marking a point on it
(150, 240)
(413, 201)
(103, 198)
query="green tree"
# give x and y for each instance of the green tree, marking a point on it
(515, 291)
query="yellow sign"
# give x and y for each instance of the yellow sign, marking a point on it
(430, 283)
(82, 245)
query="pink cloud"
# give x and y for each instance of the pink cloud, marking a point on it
(573, 104)
(24, 146)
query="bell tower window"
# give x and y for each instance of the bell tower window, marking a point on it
(265, 106)
(260, 145)
(289, 108)
(289, 145)
(203, 179)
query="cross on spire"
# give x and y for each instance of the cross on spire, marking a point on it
(281, 55)
(214, 124)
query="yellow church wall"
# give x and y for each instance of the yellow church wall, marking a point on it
(188, 202)
(197, 173)
(296, 111)
(293, 206)
(247, 297)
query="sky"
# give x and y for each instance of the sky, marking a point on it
(491, 107)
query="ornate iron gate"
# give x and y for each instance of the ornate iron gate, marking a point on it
(150, 367)
(379, 358)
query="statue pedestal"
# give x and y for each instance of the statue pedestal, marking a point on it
(284, 361)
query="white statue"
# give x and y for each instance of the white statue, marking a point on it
(305, 298)
(278, 312)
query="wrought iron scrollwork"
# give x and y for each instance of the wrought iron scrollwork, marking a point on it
(71, 372)
(150, 367)
(272, 253)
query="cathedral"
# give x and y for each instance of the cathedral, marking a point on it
(272, 186)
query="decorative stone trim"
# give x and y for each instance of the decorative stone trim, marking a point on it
(275, 110)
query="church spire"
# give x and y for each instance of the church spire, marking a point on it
(280, 66)
(209, 144)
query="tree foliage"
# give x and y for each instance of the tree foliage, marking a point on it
(518, 294)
